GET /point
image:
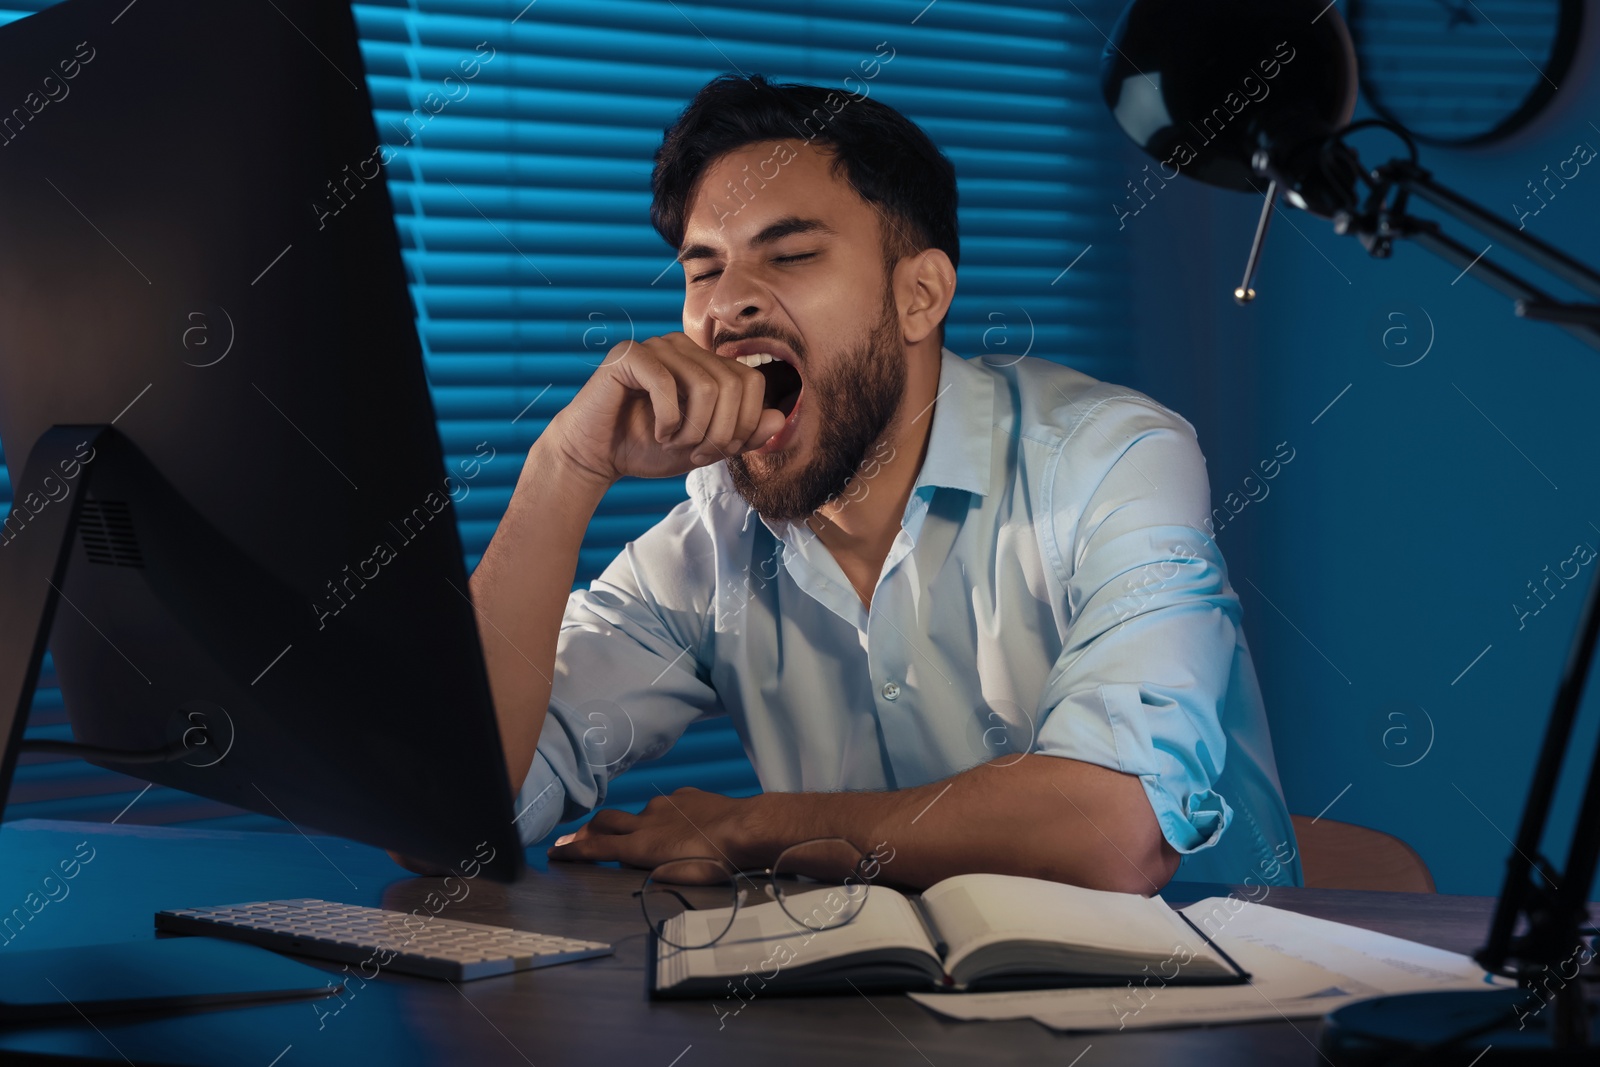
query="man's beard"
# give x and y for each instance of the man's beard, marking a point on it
(852, 406)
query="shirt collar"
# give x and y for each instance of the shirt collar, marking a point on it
(961, 439)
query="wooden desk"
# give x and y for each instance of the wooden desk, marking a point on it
(589, 1013)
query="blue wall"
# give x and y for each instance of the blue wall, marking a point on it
(1388, 554)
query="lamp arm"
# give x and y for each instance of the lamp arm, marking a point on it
(1545, 256)
(1382, 220)
(1581, 321)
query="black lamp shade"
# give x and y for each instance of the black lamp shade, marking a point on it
(1201, 85)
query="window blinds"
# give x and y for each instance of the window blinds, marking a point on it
(519, 139)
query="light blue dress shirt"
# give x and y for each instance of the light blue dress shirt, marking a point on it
(1050, 591)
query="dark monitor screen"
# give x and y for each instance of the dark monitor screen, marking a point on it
(265, 539)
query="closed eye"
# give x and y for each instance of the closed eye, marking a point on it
(795, 258)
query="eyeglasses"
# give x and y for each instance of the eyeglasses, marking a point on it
(819, 884)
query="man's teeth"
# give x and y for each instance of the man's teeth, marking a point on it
(755, 359)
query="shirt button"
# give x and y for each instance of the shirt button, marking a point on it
(891, 691)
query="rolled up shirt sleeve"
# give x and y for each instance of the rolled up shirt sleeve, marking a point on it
(629, 674)
(1141, 681)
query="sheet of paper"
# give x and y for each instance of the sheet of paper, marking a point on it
(1153, 1001)
(1384, 963)
(1238, 1004)
(1301, 967)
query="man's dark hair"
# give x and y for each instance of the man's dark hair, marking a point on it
(885, 157)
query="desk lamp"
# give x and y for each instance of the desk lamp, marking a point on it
(1257, 96)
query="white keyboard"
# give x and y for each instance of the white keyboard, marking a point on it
(382, 940)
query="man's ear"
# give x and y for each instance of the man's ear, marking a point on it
(924, 285)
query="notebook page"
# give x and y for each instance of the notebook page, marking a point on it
(764, 938)
(974, 910)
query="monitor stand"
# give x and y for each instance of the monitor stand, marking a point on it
(159, 974)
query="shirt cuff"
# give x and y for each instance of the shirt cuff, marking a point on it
(1111, 727)
(1189, 826)
(539, 803)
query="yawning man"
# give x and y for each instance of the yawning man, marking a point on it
(963, 609)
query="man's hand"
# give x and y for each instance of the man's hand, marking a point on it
(662, 407)
(688, 823)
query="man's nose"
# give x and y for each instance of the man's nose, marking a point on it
(738, 297)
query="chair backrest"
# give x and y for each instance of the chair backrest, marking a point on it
(1341, 855)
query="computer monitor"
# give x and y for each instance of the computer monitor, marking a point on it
(233, 516)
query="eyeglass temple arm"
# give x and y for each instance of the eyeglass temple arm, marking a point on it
(679, 896)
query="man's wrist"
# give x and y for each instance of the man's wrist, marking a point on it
(550, 461)
(771, 822)
(754, 837)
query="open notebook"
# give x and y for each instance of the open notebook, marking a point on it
(973, 931)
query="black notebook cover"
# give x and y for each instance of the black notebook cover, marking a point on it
(750, 983)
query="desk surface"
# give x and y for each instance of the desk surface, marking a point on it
(592, 1012)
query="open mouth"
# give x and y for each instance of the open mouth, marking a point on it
(783, 386)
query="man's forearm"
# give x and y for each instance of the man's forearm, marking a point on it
(520, 589)
(1038, 816)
